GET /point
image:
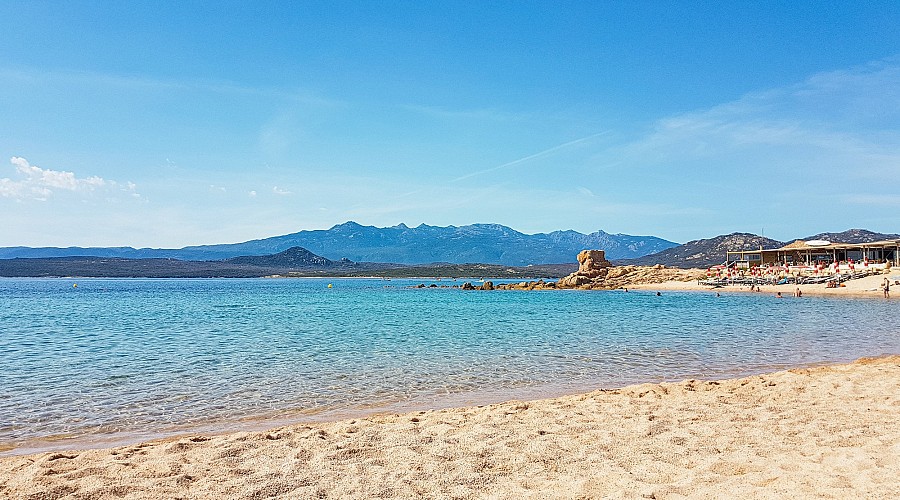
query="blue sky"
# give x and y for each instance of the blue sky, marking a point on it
(167, 124)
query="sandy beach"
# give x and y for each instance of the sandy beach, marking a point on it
(825, 432)
(869, 286)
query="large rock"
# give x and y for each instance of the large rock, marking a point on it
(592, 266)
(591, 263)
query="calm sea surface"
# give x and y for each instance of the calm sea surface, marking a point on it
(114, 360)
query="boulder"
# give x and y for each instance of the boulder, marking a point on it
(574, 280)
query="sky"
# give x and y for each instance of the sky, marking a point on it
(167, 124)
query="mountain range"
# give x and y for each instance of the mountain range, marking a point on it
(353, 249)
(481, 243)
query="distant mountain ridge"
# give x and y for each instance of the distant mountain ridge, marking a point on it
(711, 251)
(853, 236)
(481, 243)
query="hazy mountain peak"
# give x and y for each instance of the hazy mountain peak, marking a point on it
(349, 225)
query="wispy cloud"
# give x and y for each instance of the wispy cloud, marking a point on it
(873, 200)
(539, 154)
(837, 123)
(773, 157)
(34, 182)
(144, 83)
(484, 114)
(280, 192)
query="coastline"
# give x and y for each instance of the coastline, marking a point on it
(869, 286)
(820, 431)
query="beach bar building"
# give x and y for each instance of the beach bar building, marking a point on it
(819, 252)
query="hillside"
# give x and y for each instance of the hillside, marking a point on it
(292, 258)
(852, 236)
(709, 252)
(704, 253)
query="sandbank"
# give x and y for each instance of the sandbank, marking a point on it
(825, 431)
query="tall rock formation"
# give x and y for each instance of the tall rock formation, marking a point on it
(592, 265)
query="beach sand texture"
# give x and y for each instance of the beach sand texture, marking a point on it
(821, 432)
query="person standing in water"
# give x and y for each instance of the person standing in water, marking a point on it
(887, 287)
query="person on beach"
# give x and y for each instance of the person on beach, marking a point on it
(887, 288)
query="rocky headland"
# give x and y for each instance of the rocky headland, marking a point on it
(596, 273)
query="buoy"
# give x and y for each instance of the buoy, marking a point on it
(74, 285)
(329, 285)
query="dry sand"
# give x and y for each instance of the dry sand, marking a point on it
(869, 286)
(823, 432)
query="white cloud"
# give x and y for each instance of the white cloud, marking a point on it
(252, 194)
(280, 192)
(874, 200)
(836, 125)
(39, 184)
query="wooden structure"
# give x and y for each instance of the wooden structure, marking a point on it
(802, 253)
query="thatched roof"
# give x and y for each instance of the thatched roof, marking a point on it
(795, 245)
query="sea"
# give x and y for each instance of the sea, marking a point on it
(99, 362)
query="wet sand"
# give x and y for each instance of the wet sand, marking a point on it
(828, 431)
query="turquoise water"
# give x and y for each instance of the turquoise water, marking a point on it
(128, 359)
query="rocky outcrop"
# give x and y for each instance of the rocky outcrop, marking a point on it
(596, 273)
(592, 266)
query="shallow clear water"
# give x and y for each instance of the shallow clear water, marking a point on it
(139, 358)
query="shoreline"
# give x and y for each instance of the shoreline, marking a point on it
(434, 402)
(821, 430)
(869, 287)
